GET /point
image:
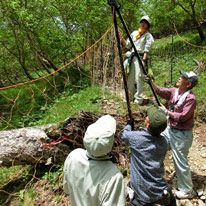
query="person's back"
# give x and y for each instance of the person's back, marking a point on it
(91, 182)
(90, 177)
(148, 150)
(147, 168)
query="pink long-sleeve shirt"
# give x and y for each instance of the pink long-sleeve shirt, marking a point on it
(183, 114)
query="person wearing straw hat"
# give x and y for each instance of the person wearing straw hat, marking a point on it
(90, 177)
(143, 41)
(179, 133)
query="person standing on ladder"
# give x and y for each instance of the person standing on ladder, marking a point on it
(143, 41)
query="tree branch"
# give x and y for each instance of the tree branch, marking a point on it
(179, 4)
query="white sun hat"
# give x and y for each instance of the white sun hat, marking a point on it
(99, 137)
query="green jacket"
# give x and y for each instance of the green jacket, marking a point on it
(92, 182)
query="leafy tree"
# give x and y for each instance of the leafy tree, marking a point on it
(192, 8)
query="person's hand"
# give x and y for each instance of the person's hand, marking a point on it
(131, 123)
(163, 109)
(121, 35)
(147, 78)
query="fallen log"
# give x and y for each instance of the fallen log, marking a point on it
(24, 146)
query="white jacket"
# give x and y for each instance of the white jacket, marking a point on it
(143, 44)
(92, 182)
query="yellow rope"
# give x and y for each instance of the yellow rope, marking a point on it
(59, 69)
(186, 40)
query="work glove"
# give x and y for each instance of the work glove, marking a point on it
(131, 123)
(163, 109)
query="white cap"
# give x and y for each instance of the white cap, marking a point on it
(99, 137)
(146, 17)
(191, 76)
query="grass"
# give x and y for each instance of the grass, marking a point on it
(190, 36)
(183, 60)
(70, 103)
(24, 106)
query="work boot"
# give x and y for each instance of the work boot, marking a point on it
(140, 102)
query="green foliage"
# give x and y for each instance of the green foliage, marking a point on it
(7, 174)
(33, 33)
(183, 60)
(163, 45)
(37, 37)
(54, 178)
(28, 198)
(70, 103)
(32, 101)
(165, 13)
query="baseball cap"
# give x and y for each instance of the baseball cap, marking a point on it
(191, 76)
(157, 120)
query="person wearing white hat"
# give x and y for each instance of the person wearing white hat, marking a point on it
(143, 41)
(179, 133)
(90, 177)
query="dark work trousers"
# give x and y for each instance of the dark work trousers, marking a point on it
(167, 201)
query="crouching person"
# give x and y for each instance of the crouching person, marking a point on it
(90, 178)
(148, 150)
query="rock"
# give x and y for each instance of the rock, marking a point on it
(203, 197)
(203, 155)
(167, 169)
(200, 192)
(182, 202)
(178, 203)
(201, 203)
(188, 203)
(204, 193)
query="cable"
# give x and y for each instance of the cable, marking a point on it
(59, 69)
(186, 40)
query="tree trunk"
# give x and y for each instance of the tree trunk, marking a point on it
(200, 31)
(25, 70)
(22, 147)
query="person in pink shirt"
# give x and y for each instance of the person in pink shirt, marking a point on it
(179, 133)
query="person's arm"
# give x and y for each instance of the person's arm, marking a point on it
(65, 178)
(127, 133)
(165, 93)
(154, 84)
(114, 191)
(133, 36)
(124, 41)
(149, 43)
(187, 112)
(129, 136)
(148, 46)
(144, 60)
